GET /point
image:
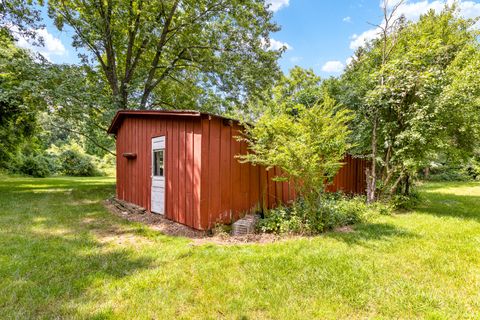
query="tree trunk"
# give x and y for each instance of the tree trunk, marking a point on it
(426, 172)
(407, 185)
(372, 172)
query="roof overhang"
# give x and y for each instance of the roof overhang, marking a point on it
(122, 114)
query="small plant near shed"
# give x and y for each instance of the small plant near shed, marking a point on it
(330, 212)
(307, 143)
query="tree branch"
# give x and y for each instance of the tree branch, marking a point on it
(86, 136)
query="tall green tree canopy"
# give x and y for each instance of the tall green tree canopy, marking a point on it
(20, 18)
(20, 98)
(410, 103)
(168, 52)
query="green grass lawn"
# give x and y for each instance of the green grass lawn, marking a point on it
(62, 255)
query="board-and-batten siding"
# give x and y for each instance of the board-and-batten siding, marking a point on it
(228, 188)
(182, 165)
(204, 182)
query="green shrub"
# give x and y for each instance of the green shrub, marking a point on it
(74, 163)
(450, 175)
(473, 169)
(71, 160)
(35, 165)
(106, 165)
(330, 212)
(283, 220)
(404, 202)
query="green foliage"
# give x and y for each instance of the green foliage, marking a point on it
(306, 143)
(473, 168)
(73, 161)
(20, 100)
(449, 173)
(301, 86)
(285, 220)
(405, 202)
(20, 17)
(38, 166)
(420, 99)
(174, 54)
(329, 212)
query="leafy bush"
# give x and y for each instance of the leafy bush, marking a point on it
(330, 211)
(450, 175)
(473, 169)
(285, 220)
(106, 165)
(451, 172)
(404, 202)
(35, 165)
(306, 143)
(73, 161)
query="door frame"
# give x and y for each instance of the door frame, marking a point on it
(164, 172)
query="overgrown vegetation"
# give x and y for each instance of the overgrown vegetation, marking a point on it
(414, 92)
(329, 212)
(307, 143)
(64, 256)
(408, 101)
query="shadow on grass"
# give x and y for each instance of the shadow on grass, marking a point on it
(362, 234)
(55, 246)
(450, 205)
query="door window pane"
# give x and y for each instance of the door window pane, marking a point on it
(158, 163)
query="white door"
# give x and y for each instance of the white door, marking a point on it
(158, 175)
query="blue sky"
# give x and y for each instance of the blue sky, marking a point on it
(318, 34)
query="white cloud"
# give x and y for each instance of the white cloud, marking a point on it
(277, 45)
(276, 5)
(349, 60)
(413, 10)
(295, 59)
(333, 66)
(347, 19)
(51, 44)
(359, 40)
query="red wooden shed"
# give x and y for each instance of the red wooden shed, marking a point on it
(182, 164)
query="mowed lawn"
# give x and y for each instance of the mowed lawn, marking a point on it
(62, 255)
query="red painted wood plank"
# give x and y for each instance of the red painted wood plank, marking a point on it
(205, 174)
(189, 173)
(197, 171)
(243, 181)
(181, 171)
(225, 173)
(235, 175)
(254, 189)
(175, 169)
(169, 172)
(214, 162)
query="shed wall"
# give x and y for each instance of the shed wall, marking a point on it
(229, 188)
(182, 165)
(204, 182)
(351, 177)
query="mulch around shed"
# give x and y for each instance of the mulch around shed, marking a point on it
(171, 228)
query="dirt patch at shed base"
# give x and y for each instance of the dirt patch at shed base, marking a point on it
(168, 227)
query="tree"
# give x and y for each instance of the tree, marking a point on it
(388, 31)
(20, 18)
(79, 106)
(299, 86)
(307, 144)
(143, 48)
(401, 119)
(20, 99)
